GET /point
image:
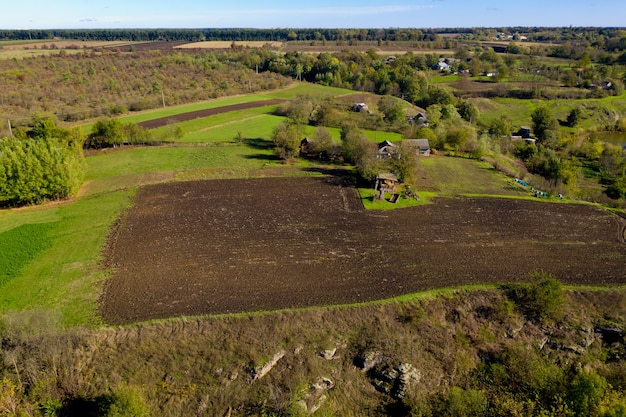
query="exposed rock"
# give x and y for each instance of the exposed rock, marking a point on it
(574, 348)
(316, 395)
(258, 373)
(328, 354)
(395, 381)
(368, 360)
(610, 334)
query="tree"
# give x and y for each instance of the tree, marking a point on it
(105, 133)
(299, 109)
(323, 143)
(543, 297)
(545, 125)
(546, 163)
(467, 111)
(392, 109)
(286, 139)
(404, 162)
(586, 391)
(574, 117)
(32, 170)
(357, 149)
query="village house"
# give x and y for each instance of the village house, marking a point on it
(421, 146)
(385, 149)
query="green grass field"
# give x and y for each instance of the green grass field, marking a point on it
(61, 274)
(460, 176)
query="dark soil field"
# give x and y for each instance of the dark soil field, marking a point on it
(184, 117)
(249, 245)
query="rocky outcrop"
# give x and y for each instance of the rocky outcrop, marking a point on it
(316, 396)
(260, 372)
(396, 380)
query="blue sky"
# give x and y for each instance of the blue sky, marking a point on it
(92, 14)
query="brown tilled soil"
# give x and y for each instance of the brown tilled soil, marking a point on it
(261, 244)
(184, 117)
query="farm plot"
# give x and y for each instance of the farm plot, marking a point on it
(246, 245)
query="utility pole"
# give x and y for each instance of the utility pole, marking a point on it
(10, 130)
(163, 97)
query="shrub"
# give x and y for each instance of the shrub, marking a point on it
(586, 392)
(126, 401)
(542, 298)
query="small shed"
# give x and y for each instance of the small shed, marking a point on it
(386, 182)
(361, 107)
(524, 132)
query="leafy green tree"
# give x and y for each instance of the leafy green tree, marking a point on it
(543, 297)
(501, 126)
(357, 149)
(467, 111)
(544, 123)
(439, 95)
(106, 133)
(404, 162)
(35, 170)
(126, 401)
(546, 163)
(323, 143)
(466, 403)
(392, 109)
(458, 134)
(574, 117)
(299, 109)
(286, 139)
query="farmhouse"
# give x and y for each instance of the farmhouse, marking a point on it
(421, 146)
(420, 119)
(385, 149)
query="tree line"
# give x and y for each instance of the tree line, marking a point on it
(610, 39)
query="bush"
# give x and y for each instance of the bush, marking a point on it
(126, 401)
(542, 298)
(586, 392)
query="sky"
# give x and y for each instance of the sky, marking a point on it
(113, 14)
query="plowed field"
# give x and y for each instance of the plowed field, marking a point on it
(261, 244)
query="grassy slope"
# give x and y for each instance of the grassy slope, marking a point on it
(64, 278)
